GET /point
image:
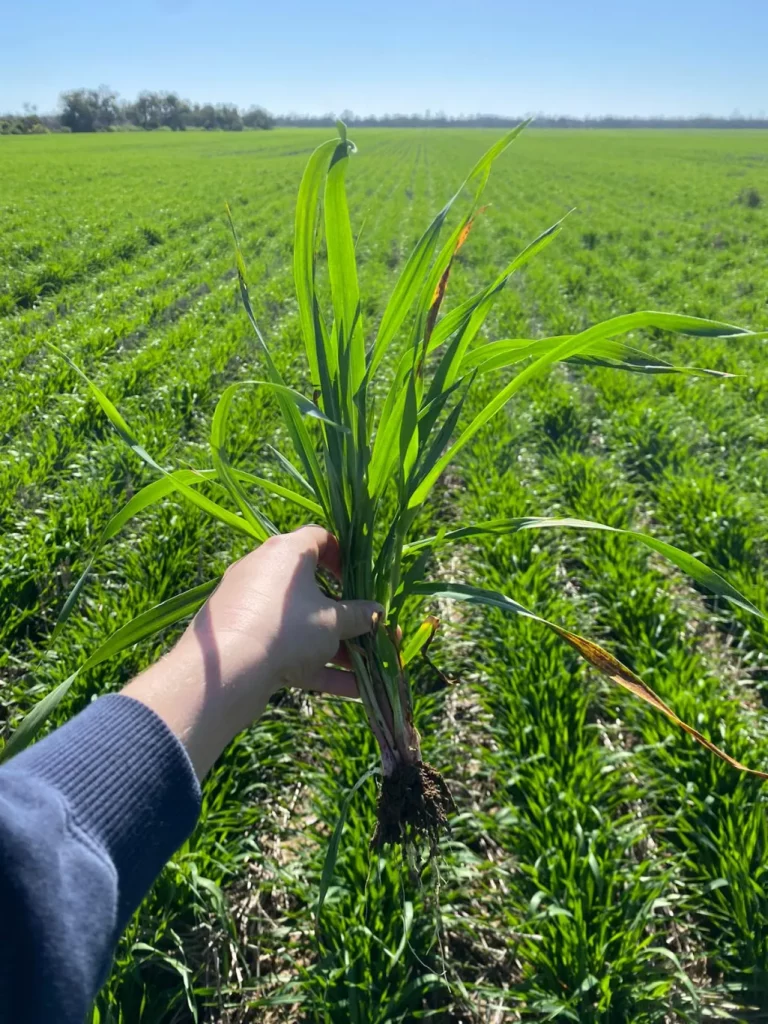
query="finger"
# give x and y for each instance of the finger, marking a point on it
(355, 618)
(334, 681)
(323, 547)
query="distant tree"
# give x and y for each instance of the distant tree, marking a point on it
(78, 110)
(228, 118)
(158, 110)
(257, 117)
(205, 116)
(89, 110)
(28, 123)
(145, 112)
(173, 112)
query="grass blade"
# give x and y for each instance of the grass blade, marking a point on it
(617, 355)
(304, 253)
(290, 469)
(144, 498)
(470, 594)
(572, 346)
(421, 638)
(163, 488)
(406, 290)
(332, 852)
(342, 268)
(74, 594)
(599, 658)
(410, 284)
(696, 569)
(165, 614)
(31, 724)
(626, 678)
(465, 321)
(280, 492)
(127, 436)
(447, 374)
(293, 421)
(224, 471)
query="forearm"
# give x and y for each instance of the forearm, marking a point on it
(203, 693)
(88, 817)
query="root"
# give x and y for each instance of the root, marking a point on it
(414, 802)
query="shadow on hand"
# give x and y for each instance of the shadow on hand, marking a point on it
(202, 625)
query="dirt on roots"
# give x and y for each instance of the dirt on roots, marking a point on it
(414, 802)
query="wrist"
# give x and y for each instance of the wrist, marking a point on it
(203, 696)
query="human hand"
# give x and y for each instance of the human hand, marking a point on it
(268, 616)
(267, 625)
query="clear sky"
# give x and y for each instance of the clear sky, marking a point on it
(646, 57)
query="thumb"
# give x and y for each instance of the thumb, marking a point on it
(355, 618)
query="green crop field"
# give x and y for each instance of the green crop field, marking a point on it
(601, 866)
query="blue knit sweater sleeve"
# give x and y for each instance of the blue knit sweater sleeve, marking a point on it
(88, 818)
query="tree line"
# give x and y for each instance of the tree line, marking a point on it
(441, 120)
(98, 110)
(101, 110)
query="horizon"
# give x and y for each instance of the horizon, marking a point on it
(537, 118)
(666, 61)
(353, 116)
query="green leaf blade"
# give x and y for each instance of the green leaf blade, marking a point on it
(571, 346)
(166, 613)
(304, 248)
(332, 853)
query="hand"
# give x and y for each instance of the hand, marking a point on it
(268, 612)
(267, 625)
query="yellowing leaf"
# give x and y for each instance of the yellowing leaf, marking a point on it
(626, 678)
(420, 640)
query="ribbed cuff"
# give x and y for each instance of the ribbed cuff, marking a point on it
(129, 784)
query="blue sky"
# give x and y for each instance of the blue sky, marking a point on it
(491, 56)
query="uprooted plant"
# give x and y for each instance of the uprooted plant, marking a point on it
(365, 469)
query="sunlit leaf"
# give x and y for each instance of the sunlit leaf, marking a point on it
(588, 649)
(695, 568)
(147, 624)
(420, 639)
(332, 852)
